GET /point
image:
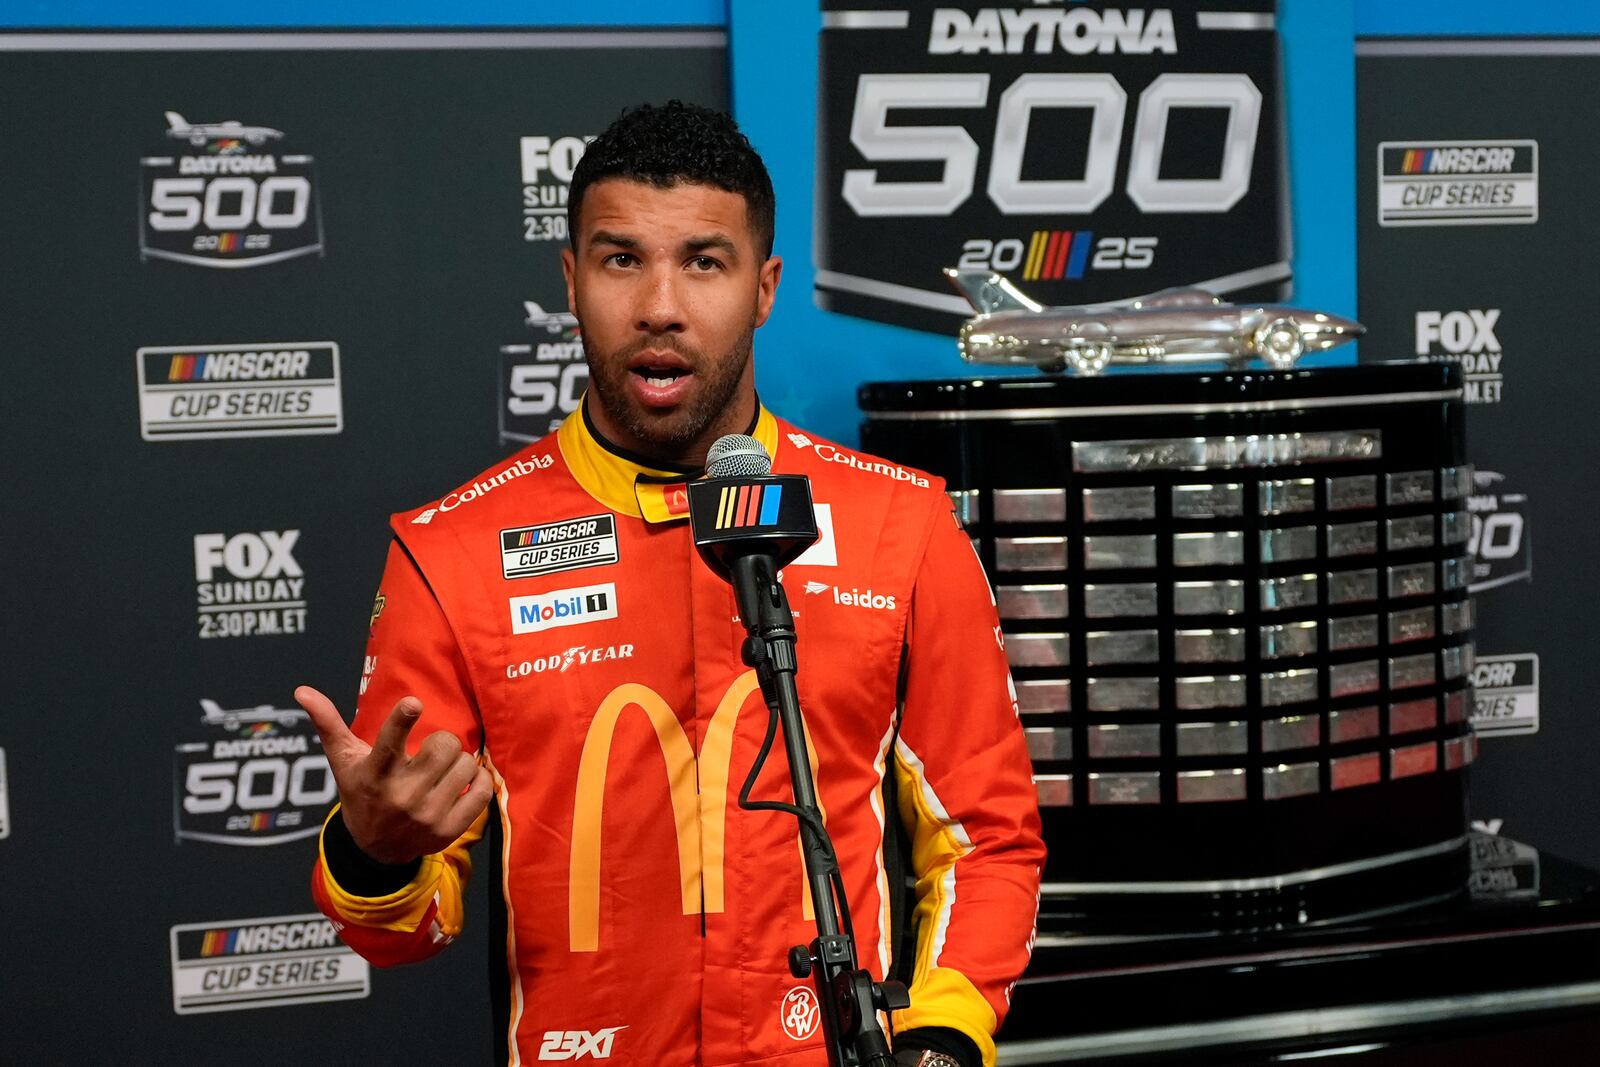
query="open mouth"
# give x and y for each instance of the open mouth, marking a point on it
(660, 377)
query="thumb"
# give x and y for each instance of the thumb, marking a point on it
(338, 743)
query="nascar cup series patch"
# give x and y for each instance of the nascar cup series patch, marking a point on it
(569, 545)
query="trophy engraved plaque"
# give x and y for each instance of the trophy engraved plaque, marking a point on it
(1236, 608)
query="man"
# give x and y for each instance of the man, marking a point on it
(548, 635)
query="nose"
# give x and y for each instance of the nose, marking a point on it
(660, 304)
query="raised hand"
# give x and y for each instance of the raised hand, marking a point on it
(399, 807)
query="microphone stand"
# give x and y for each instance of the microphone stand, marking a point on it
(848, 998)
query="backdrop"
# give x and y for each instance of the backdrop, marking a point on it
(263, 288)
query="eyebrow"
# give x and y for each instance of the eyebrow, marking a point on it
(712, 240)
(695, 243)
(606, 237)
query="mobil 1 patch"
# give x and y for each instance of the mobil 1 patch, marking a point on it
(568, 545)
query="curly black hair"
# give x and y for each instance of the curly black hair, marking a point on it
(676, 143)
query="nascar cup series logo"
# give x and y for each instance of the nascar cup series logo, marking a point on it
(547, 166)
(1458, 183)
(259, 777)
(543, 378)
(249, 584)
(227, 196)
(1506, 694)
(1093, 151)
(234, 964)
(195, 392)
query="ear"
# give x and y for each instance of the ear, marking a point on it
(569, 264)
(767, 288)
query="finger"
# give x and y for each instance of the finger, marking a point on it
(435, 756)
(337, 740)
(389, 750)
(458, 774)
(471, 803)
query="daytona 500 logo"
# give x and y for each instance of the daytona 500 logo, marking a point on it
(1096, 151)
(226, 197)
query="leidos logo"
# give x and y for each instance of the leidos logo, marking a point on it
(233, 964)
(563, 607)
(578, 1044)
(225, 201)
(1468, 338)
(264, 592)
(547, 166)
(190, 392)
(542, 380)
(854, 598)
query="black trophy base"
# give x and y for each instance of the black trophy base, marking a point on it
(1507, 970)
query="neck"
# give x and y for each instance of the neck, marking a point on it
(691, 459)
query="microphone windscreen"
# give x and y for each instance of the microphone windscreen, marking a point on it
(737, 455)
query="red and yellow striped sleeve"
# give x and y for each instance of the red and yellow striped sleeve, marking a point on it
(967, 799)
(411, 652)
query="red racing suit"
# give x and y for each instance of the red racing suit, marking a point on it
(554, 614)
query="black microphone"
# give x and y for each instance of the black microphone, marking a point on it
(741, 509)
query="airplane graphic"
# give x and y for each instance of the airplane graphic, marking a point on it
(199, 133)
(1173, 326)
(553, 321)
(216, 715)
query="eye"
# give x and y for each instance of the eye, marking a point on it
(704, 263)
(621, 259)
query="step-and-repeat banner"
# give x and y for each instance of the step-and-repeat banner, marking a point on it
(259, 291)
(1477, 224)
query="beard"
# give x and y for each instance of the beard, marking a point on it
(669, 434)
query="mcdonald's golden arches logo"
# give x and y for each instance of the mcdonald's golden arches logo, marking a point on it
(700, 815)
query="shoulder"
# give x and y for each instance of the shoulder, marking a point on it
(487, 497)
(858, 473)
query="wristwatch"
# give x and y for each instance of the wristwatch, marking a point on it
(936, 1059)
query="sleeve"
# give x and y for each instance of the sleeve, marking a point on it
(967, 798)
(411, 651)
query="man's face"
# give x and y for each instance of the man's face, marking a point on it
(668, 286)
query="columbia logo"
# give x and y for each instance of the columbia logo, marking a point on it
(799, 440)
(425, 518)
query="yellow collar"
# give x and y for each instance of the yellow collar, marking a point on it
(629, 487)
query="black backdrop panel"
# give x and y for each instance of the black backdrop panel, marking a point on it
(167, 590)
(1500, 279)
